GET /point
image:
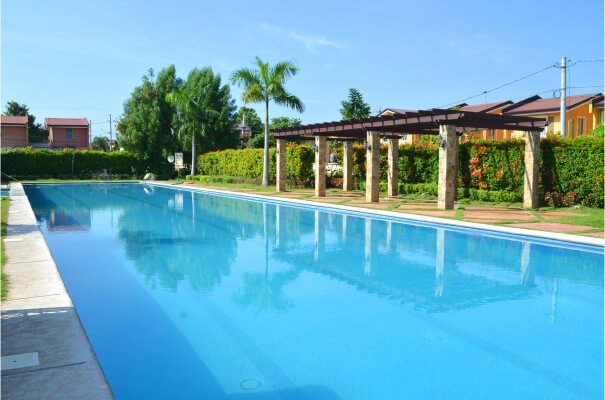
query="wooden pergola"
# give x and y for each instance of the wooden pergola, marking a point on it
(448, 124)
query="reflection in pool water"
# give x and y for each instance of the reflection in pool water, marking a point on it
(185, 294)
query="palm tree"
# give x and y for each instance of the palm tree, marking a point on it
(194, 105)
(264, 84)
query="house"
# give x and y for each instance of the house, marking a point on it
(73, 133)
(13, 131)
(584, 113)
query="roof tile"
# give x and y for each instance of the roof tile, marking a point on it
(13, 120)
(65, 122)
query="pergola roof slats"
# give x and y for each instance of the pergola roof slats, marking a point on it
(414, 122)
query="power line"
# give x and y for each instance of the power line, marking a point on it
(584, 61)
(499, 87)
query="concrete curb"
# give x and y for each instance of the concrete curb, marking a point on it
(38, 318)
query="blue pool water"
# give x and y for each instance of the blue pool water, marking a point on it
(190, 295)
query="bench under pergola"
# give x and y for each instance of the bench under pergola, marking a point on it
(447, 124)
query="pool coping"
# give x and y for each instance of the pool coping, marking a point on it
(403, 217)
(38, 317)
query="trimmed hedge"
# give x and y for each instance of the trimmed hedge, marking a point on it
(26, 163)
(248, 163)
(571, 170)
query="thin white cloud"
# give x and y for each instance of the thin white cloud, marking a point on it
(311, 42)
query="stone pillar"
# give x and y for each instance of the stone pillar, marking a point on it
(532, 162)
(320, 166)
(372, 167)
(280, 179)
(448, 162)
(347, 166)
(393, 156)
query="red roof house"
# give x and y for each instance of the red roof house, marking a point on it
(13, 131)
(71, 133)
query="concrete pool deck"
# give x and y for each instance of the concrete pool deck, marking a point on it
(45, 351)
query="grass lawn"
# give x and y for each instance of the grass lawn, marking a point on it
(4, 218)
(587, 216)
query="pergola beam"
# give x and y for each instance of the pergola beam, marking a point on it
(412, 122)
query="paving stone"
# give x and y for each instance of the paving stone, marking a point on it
(550, 215)
(380, 206)
(432, 213)
(552, 226)
(490, 209)
(498, 215)
(408, 206)
(600, 235)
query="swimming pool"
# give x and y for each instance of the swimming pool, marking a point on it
(185, 294)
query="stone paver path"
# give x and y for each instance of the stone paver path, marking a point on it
(552, 227)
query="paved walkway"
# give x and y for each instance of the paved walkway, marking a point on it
(45, 352)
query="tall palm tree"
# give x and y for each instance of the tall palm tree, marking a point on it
(264, 84)
(194, 105)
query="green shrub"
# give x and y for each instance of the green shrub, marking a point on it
(571, 170)
(248, 163)
(26, 163)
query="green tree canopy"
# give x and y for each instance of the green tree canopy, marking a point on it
(258, 141)
(354, 107)
(205, 111)
(100, 143)
(264, 84)
(145, 127)
(252, 119)
(36, 131)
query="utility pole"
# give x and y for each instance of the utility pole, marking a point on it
(110, 135)
(563, 116)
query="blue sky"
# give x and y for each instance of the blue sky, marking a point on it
(83, 58)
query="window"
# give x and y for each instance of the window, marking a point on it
(69, 134)
(581, 124)
(492, 133)
(570, 127)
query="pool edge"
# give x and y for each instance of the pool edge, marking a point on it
(583, 240)
(66, 356)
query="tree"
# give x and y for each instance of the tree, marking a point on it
(257, 141)
(252, 119)
(264, 84)
(145, 127)
(354, 107)
(36, 132)
(100, 143)
(204, 109)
